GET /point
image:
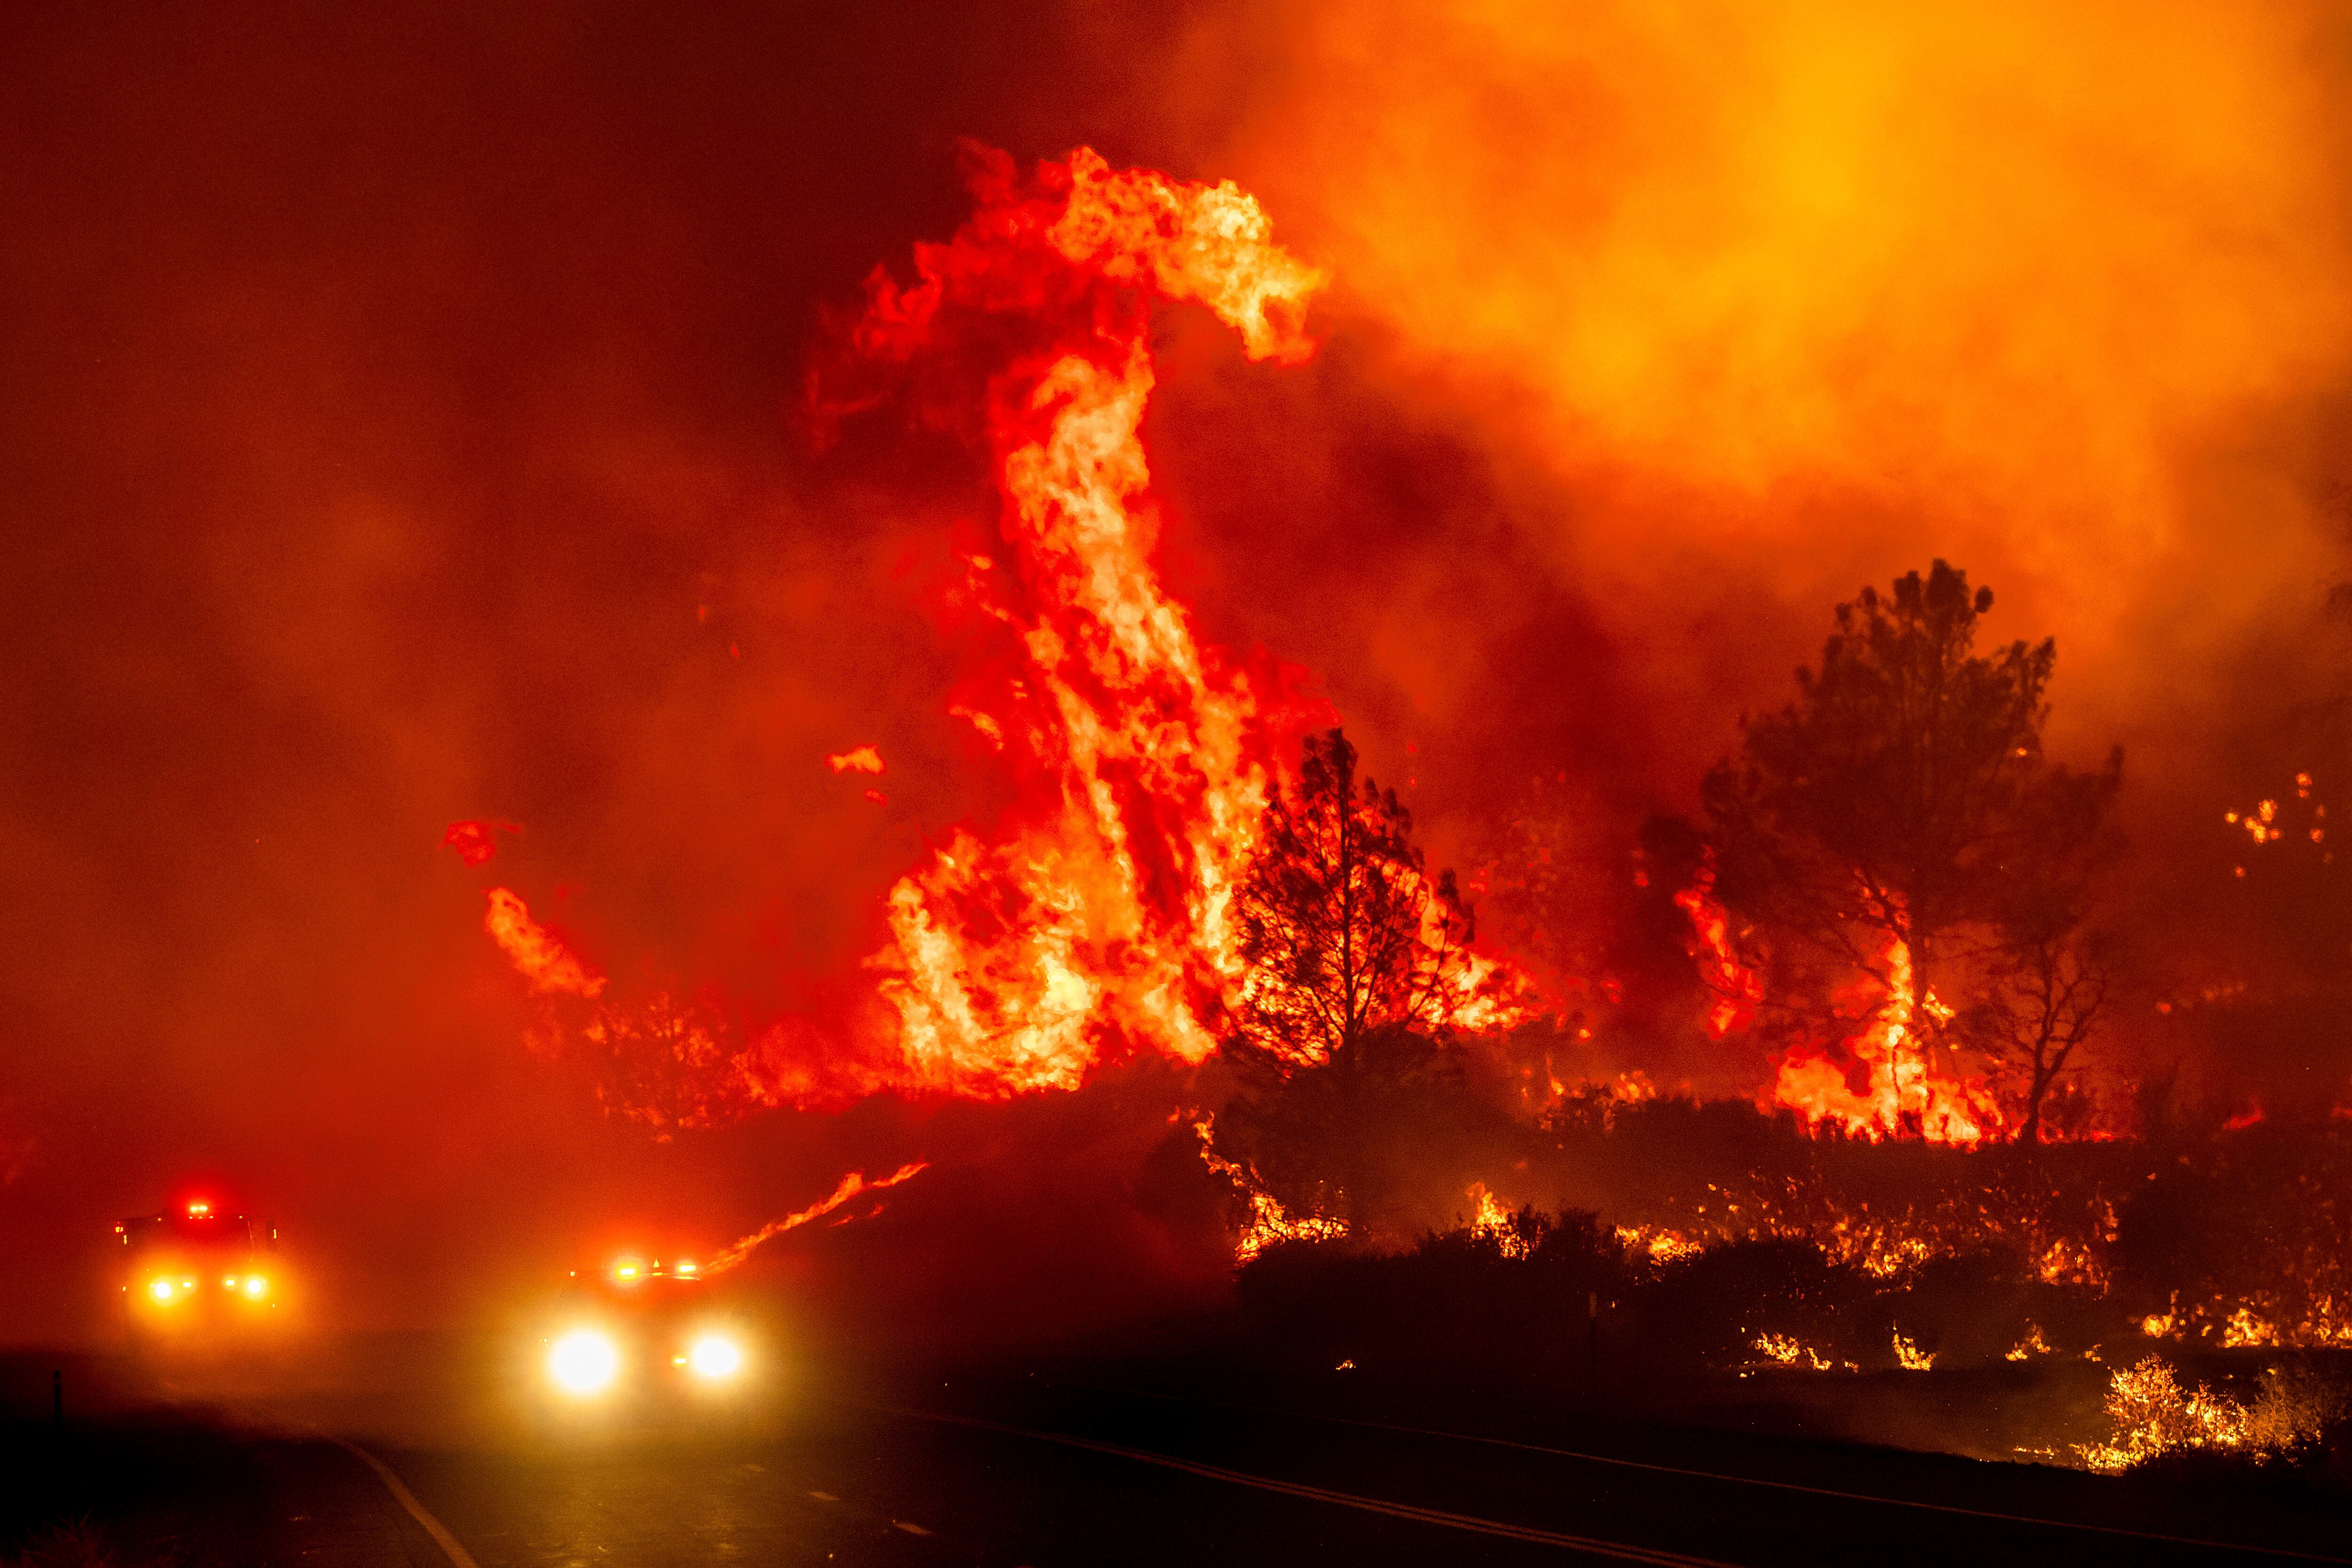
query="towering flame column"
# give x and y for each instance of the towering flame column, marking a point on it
(1096, 921)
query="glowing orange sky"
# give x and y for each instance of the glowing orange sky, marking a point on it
(1819, 289)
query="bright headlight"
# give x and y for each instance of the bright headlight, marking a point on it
(584, 1361)
(714, 1356)
(161, 1290)
(256, 1287)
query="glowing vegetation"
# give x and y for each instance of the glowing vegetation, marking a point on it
(1893, 830)
(1264, 1222)
(2155, 1418)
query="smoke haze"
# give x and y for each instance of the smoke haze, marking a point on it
(404, 424)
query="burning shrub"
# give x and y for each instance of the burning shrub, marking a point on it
(1723, 1171)
(2158, 1421)
(1526, 1279)
(1745, 1240)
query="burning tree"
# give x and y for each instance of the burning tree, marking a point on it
(1344, 931)
(1897, 828)
(2048, 991)
(1358, 965)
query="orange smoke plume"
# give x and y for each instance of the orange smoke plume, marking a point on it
(851, 1186)
(2023, 279)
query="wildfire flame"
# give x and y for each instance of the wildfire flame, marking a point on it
(1883, 1086)
(2153, 1414)
(1736, 988)
(1657, 1244)
(850, 1186)
(1874, 1083)
(1788, 1350)
(1491, 1222)
(1101, 922)
(1097, 923)
(1268, 1222)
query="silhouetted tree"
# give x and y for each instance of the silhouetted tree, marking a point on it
(1904, 799)
(1354, 1100)
(1344, 930)
(2044, 996)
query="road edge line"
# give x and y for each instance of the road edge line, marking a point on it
(1723, 1476)
(1623, 1551)
(458, 1556)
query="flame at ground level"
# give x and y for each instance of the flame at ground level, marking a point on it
(1874, 1082)
(1268, 1223)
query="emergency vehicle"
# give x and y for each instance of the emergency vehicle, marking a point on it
(197, 1272)
(637, 1337)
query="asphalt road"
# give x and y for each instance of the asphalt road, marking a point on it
(1045, 1470)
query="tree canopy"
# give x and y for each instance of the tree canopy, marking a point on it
(1358, 960)
(1900, 810)
(1344, 930)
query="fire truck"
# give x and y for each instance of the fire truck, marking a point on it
(198, 1273)
(635, 1339)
